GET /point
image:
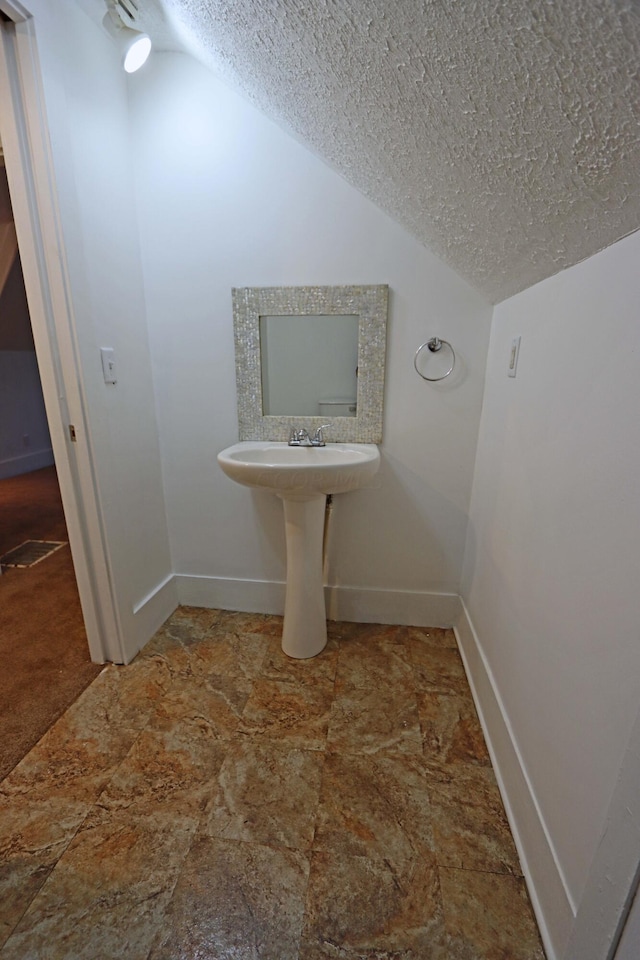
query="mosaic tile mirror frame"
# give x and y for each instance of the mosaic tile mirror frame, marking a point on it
(368, 303)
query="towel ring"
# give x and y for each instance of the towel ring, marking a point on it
(434, 345)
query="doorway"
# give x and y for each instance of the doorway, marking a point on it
(43, 641)
(31, 178)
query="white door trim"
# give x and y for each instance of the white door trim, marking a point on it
(629, 944)
(613, 878)
(30, 171)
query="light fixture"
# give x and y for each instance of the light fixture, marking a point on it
(134, 45)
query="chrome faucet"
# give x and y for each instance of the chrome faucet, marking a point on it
(301, 438)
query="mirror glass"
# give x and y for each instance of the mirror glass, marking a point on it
(309, 365)
(307, 356)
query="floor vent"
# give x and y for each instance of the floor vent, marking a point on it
(30, 552)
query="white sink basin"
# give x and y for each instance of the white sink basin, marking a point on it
(300, 472)
(302, 477)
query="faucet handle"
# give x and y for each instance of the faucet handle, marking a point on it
(318, 437)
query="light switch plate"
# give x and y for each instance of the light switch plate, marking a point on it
(513, 357)
(108, 364)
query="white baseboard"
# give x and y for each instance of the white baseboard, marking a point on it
(152, 611)
(247, 596)
(355, 604)
(547, 887)
(410, 607)
(26, 463)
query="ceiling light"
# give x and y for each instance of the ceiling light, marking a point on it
(138, 49)
(134, 45)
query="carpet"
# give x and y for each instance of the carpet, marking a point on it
(43, 644)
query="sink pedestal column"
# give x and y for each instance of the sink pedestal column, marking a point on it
(305, 620)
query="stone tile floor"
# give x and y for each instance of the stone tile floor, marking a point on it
(216, 799)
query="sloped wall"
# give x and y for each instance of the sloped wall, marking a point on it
(551, 571)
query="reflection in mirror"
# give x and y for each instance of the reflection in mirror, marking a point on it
(309, 365)
(304, 322)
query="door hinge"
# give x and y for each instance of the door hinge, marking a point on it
(72, 433)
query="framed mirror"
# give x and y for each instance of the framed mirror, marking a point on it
(307, 356)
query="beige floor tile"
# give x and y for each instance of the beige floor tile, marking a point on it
(489, 916)
(344, 630)
(372, 663)
(362, 907)
(186, 626)
(295, 714)
(78, 756)
(266, 793)
(167, 652)
(161, 647)
(213, 705)
(278, 666)
(231, 655)
(437, 669)
(67, 766)
(439, 637)
(190, 624)
(374, 806)
(470, 827)
(119, 698)
(382, 720)
(166, 770)
(435, 944)
(235, 900)
(451, 730)
(106, 896)
(33, 836)
(195, 803)
(263, 623)
(223, 654)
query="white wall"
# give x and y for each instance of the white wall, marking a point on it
(551, 570)
(87, 111)
(227, 199)
(25, 443)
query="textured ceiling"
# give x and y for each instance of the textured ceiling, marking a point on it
(503, 134)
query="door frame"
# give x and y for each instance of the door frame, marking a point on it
(629, 942)
(31, 175)
(610, 897)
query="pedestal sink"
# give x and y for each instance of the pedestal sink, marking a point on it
(302, 477)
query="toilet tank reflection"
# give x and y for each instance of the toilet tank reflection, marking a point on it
(307, 361)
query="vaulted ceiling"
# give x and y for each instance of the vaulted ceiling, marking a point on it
(503, 134)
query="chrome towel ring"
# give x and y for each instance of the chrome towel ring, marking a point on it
(434, 345)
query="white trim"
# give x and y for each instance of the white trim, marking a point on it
(161, 590)
(25, 463)
(248, 596)
(14, 10)
(547, 885)
(613, 877)
(156, 607)
(31, 178)
(630, 937)
(355, 604)
(418, 608)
